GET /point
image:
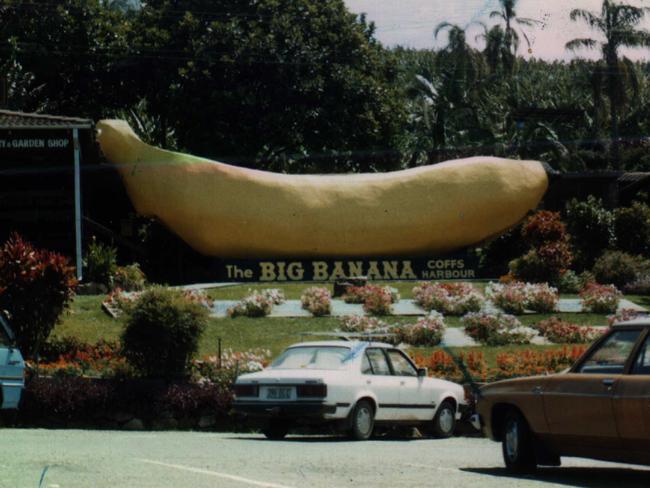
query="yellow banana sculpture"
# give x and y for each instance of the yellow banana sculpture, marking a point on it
(227, 211)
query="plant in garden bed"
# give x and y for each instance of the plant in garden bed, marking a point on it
(448, 298)
(120, 301)
(600, 298)
(517, 297)
(129, 278)
(495, 329)
(378, 301)
(358, 294)
(317, 300)
(427, 331)
(625, 315)
(562, 332)
(223, 371)
(360, 323)
(256, 304)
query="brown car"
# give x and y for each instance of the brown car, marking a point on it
(600, 408)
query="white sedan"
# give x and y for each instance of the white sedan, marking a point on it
(355, 384)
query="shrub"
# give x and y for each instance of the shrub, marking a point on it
(120, 301)
(427, 331)
(129, 278)
(632, 228)
(193, 400)
(600, 298)
(625, 315)
(448, 298)
(497, 253)
(274, 295)
(317, 300)
(549, 255)
(559, 331)
(618, 268)
(570, 282)
(36, 286)
(494, 329)
(100, 263)
(71, 357)
(517, 297)
(378, 301)
(591, 227)
(224, 371)
(162, 332)
(357, 323)
(255, 304)
(640, 286)
(359, 294)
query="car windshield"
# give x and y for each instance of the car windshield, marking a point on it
(313, 357)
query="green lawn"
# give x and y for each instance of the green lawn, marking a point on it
(87, 321)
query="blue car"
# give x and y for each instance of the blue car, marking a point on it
(12, 368)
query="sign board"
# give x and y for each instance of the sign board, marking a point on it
(26, 145)
(457, 267)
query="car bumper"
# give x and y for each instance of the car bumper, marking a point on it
(286, 409)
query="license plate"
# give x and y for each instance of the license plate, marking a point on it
(279, 393)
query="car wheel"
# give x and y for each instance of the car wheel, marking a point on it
(276, 430)
(362, 421)
(517, 444)
(444, 422)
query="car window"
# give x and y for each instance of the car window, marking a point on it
(366, 367)
(611, 356)
(378, 362)
(642, 363)
(401, 365)
(312, 358)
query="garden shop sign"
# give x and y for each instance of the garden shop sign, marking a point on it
(463, 267)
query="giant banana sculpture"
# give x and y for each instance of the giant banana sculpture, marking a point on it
(228, 211)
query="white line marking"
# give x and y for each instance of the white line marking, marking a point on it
(215, 473)
(437, 468)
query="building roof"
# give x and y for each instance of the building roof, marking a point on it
(21, 120)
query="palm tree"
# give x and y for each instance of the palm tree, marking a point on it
(497, 53)
(509, 16)
(618, 25)
(462, 63)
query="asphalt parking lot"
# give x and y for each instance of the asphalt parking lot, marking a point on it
(77, 458)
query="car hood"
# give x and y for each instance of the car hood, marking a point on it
(291, 375)
(515, 384)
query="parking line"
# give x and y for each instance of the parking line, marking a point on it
(231, 477)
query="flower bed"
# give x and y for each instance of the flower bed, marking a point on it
(562, 332)
(317, 300)
(378, 301)
(600, 298)
(359, 323)
(448, 298)
(119, 301)
(495, 329)
(625, 315)
(517, 297)
(472, 366)
(359, 294)
(223, 371)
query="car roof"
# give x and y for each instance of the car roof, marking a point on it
(348, 344)
(642, 321)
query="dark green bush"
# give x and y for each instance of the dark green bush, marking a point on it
(100, 263)
(497, 253)
(618, 268)
(632, 228)
(591, 227)
(162, 332)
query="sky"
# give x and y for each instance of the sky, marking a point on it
(410, 23)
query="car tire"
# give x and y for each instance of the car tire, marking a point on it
(518, 444)
(362, 421)
(444, 422)
(276, 431)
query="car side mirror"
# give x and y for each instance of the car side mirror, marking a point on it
(422, 372)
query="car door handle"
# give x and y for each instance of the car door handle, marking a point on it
(608, 382)
(537, 390)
